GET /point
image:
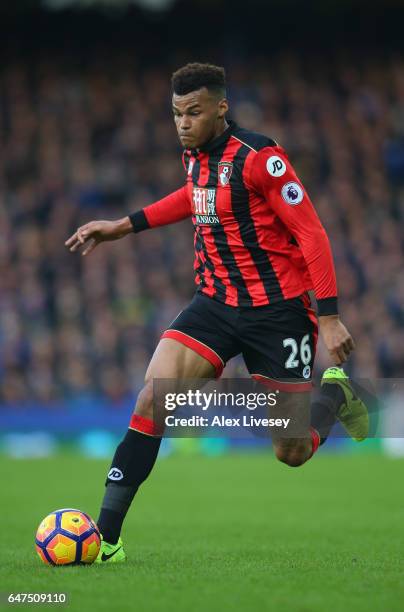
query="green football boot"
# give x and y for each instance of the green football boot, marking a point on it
(352, 413)
(111, 553)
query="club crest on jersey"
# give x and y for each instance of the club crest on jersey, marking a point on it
(225, 170)
(204, 206)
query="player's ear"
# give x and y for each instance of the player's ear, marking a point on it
(223, 107)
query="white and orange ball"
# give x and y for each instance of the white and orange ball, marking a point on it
(67, 537)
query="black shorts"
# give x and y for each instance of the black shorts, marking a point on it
(277, 342)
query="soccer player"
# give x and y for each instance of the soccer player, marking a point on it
(259, 248)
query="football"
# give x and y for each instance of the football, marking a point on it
(67, 537)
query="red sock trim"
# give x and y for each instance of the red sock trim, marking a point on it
(197, 346)
(146, 426)
(315, 439)
(288, 387)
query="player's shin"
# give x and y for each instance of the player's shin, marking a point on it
(132, 463)
(323, 415)
(324, 410)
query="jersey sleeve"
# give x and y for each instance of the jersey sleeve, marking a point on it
(171, 209)
(273, 177)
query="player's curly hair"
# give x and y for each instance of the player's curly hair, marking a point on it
(195, 76)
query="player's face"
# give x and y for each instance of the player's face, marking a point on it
(198, 117)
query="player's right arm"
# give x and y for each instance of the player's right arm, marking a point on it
(171, 209)
(287, 197)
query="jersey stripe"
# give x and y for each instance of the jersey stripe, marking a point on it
(216, 234)
(244, 260)
(215, 264)
(207, 256)
(250, 239)
(203, 275)
(196, 168)
(209, 269)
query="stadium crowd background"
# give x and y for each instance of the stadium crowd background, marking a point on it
(97, 140)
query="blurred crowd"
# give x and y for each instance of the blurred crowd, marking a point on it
(98, 141)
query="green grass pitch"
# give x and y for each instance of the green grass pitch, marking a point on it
(238, 532)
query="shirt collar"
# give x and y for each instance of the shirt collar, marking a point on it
(219, 140)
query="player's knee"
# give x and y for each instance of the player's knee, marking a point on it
(294, 456)
(144, 403)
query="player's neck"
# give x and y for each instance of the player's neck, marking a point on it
(222, 127)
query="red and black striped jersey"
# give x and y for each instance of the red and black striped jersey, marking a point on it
(257, 237)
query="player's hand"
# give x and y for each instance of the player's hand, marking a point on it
(91, 234)
(337, 338)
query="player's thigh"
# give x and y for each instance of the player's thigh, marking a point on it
(194, 348)
(173, 368)
(207, 329)
(173, 360)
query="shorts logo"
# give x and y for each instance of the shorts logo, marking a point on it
(115, 474)
(276, 166)
(225, 170)
(306, 371)
(292, 193)
(204, 206)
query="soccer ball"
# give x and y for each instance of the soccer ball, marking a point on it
(67, 537)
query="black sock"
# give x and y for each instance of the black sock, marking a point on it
(324, 409)
(132, 463)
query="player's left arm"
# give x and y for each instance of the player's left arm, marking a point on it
(272, 175)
